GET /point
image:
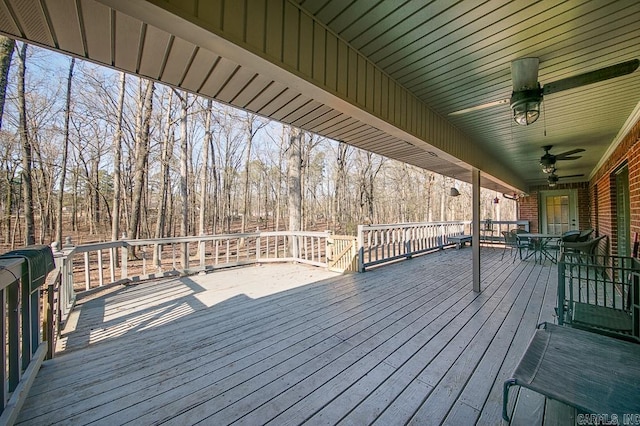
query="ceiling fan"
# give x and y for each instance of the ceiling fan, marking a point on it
(553, 178)
(548, 160)
(527, 93)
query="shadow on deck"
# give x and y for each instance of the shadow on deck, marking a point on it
(409, 342)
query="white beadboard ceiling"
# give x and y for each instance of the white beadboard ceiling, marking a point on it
(445, 55)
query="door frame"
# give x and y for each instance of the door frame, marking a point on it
(623, 244)
(573, 207)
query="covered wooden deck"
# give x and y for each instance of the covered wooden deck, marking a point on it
(287, 344)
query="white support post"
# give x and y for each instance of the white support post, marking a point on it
(123, 261)
(201, 250)
(258, 248)
(360, 249)
(475, 224)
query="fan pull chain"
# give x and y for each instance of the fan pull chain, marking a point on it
(544, 118)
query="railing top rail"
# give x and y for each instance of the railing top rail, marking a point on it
(411, 225)
(96, 246)
(10, 271)
(290, 233)
(192, 238)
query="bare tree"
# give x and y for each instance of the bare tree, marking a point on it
(369, 165)
(6, 53)
(141, 155)
(26, 175)
(205, 164)
(65, 154)
(252, 126)
(184, 170)
(117, 162)
(165, 162)
(294, 164)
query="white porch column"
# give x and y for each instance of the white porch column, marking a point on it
(475, 227)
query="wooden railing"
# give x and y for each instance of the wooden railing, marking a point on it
(491, 230)
(385, 243)
(90, 266)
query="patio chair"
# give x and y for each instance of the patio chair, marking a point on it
(585, 248)
(524, 242)
(512, 242)
(584, 235)
(593, 373)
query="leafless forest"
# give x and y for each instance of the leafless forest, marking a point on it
(92, 153)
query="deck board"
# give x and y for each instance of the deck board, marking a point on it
(290, 344)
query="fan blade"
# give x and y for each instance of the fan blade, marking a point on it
(602, 74)
(570, 158)
(479, 107)
(570, 176)
(566, 155)
(524, 73)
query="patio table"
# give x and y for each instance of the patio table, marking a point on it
(540, 245)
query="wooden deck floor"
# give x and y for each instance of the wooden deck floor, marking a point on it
(286, 344)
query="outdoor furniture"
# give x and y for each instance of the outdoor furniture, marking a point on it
(593, 373)
(459, 240)
(539, 243)
(487, 230)
(565, 237)
(570, 236)
(512, 242)
(599, 293)
(585, 248)
(584, 235)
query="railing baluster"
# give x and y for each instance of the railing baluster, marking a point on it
(112, 263)
(100, 271)
(87, 272)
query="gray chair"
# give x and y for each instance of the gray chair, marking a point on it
(570, 236)
(584, 235)
(512, 242)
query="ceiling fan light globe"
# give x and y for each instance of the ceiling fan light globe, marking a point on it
(526, 106)
(548, 168)
(526, 113)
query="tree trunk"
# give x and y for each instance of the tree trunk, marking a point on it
(6, 53)
(29, 221)
(65, 153)
(167, 151)
(141, 156)
(247, 165)
(117, 160)
(253, 125)
(205, 165)
(340, 193)
(294, 187)
(184, 189)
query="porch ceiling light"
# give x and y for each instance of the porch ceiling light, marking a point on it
(526, 106)
(548, 168)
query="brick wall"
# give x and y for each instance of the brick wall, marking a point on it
(528, 207)
(602, 188)
(597, 199)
